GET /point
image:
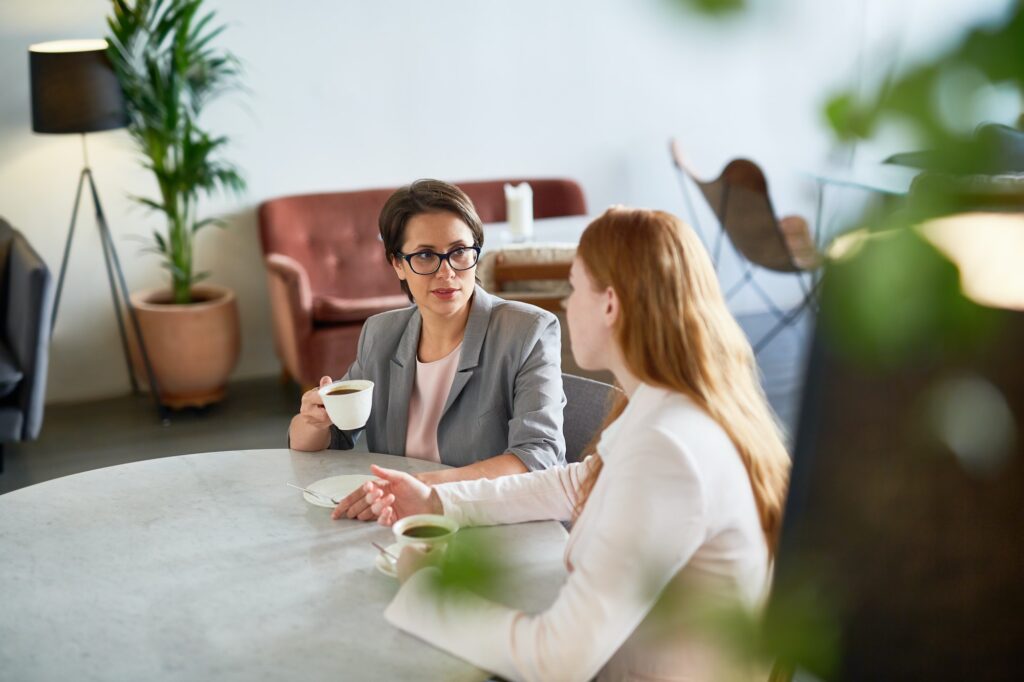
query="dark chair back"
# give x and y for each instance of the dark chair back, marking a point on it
(27, 293)
(587, 403)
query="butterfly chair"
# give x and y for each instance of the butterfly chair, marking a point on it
(739, 199)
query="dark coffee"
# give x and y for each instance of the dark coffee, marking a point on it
(425, 532)
(344, 390)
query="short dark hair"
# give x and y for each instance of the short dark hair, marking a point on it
(424, 196)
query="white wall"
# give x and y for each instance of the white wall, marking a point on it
(346, 94)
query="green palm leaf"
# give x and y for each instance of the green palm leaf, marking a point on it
(164, 55)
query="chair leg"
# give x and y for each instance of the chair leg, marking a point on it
(718, 249)
(787, 320)
(691, 207)
(801, 279)
(747, 276)
(773, 332)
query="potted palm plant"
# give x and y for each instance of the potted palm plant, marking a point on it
(169, 70)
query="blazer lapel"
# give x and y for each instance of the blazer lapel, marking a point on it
(403, 376)
(472, 344)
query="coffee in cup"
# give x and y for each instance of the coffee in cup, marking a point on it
(348, 402)
(433, 530)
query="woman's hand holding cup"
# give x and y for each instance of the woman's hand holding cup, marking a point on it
(312, 406)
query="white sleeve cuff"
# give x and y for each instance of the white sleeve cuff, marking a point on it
(459, 622)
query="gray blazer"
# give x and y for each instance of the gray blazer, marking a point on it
(506, 395)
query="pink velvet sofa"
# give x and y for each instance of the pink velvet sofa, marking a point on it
(327, 272)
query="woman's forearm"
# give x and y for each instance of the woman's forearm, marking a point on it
(302, 435)
(505, 464)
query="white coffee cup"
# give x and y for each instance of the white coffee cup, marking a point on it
(348, 410)
(432, 530)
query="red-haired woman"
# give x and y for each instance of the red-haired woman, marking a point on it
(684, 495)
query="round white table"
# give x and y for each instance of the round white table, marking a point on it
(207, 566)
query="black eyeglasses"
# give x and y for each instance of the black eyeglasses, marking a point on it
(429, 262)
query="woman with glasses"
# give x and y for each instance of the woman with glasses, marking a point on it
(461, 377)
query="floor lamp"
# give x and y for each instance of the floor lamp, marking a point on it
(75, 90)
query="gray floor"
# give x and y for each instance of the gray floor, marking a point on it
(103, 433)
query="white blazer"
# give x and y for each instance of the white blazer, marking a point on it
(672, 508)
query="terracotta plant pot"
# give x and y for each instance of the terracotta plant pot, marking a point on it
(193, 348)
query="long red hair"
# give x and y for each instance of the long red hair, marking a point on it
(675, 331)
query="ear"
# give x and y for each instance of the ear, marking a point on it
(612, 307)
(397, 263)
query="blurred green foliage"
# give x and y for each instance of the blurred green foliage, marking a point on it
(712, 7)
(802, 624)
(894, 299)
(992, 55)
(471, 563)
(898, 298)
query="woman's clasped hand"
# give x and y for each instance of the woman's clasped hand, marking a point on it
(393, 496)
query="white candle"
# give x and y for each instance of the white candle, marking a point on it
(519, 209)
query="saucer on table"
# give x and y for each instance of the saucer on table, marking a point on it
(385, 564)
(335, 487)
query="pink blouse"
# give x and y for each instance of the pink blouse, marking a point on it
(429, 394)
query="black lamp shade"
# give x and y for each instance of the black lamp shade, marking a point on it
(74, 88)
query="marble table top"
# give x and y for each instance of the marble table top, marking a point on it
(208, 566)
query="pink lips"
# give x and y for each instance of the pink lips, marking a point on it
(445, 294)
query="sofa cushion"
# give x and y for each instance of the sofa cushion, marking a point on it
(10, 375)
(337, 309)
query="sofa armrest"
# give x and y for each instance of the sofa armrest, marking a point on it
(291, 308)
(27, 328)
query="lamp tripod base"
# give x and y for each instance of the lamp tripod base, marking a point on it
(118, 292)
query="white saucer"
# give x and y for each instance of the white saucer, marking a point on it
(384, 564)
(336, 487)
